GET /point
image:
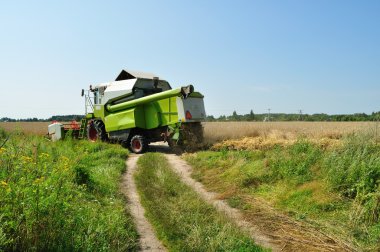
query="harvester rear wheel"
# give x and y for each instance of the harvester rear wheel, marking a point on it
(138, 144)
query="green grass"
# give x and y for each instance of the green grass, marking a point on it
(336, 189)
(182, 220)
(62, 196)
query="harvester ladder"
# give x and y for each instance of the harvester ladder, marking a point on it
(83, 128)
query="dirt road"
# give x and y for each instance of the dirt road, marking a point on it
(148, 239)
(266, 226)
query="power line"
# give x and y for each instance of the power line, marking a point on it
(300, 115)
(267, 119)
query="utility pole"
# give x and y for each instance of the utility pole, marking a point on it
(300, 115)
(377, 125)
(269, 115)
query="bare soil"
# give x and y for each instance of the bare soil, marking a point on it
(266, 226)
(148, 240)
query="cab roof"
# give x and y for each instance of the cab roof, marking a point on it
(127, 75)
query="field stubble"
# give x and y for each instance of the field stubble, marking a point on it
(265, 135)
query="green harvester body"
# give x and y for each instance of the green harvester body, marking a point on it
(138, 109)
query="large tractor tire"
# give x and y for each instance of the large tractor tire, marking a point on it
(96, 131)
(138, 144)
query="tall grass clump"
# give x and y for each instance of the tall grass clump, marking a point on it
(354, 171)
(3, 135)
(182, 220)
(294, 163)
(337, 187)
(62, 196)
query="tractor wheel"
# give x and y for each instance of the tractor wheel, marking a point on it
(138, 144)
(96, 131)
(101, 129)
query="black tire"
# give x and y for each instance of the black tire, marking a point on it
(138, 144)
(96, 131)
(101, 129)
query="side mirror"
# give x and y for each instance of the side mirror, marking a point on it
(82, 92)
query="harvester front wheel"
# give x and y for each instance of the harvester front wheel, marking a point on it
(96, 131)
(138, 144)
(101, 129)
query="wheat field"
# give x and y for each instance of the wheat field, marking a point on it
(218, 131)
(36, 128)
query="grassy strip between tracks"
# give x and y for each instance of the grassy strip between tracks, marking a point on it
(62, 196)
(336, 189)
(182, 220)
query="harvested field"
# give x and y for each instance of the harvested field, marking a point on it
(219, 131)
(266, 143)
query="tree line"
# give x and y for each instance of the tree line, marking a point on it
(281, 117)
(60, 118)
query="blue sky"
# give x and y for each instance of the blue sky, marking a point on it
(318, 56)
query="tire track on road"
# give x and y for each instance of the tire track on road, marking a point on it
(148, 240)
(184, 171)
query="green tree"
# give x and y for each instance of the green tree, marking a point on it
(251, 116)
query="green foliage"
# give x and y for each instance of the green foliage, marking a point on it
(294, 163)
(354, 171)
(339, 186)
(235, 168)
(375, 116)
(62, 196)
(61, 118)
(3, 135)
(183, 221)
(247, 168)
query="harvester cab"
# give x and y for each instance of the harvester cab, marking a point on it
(139, 108)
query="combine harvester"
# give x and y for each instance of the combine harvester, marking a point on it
(137, 109)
